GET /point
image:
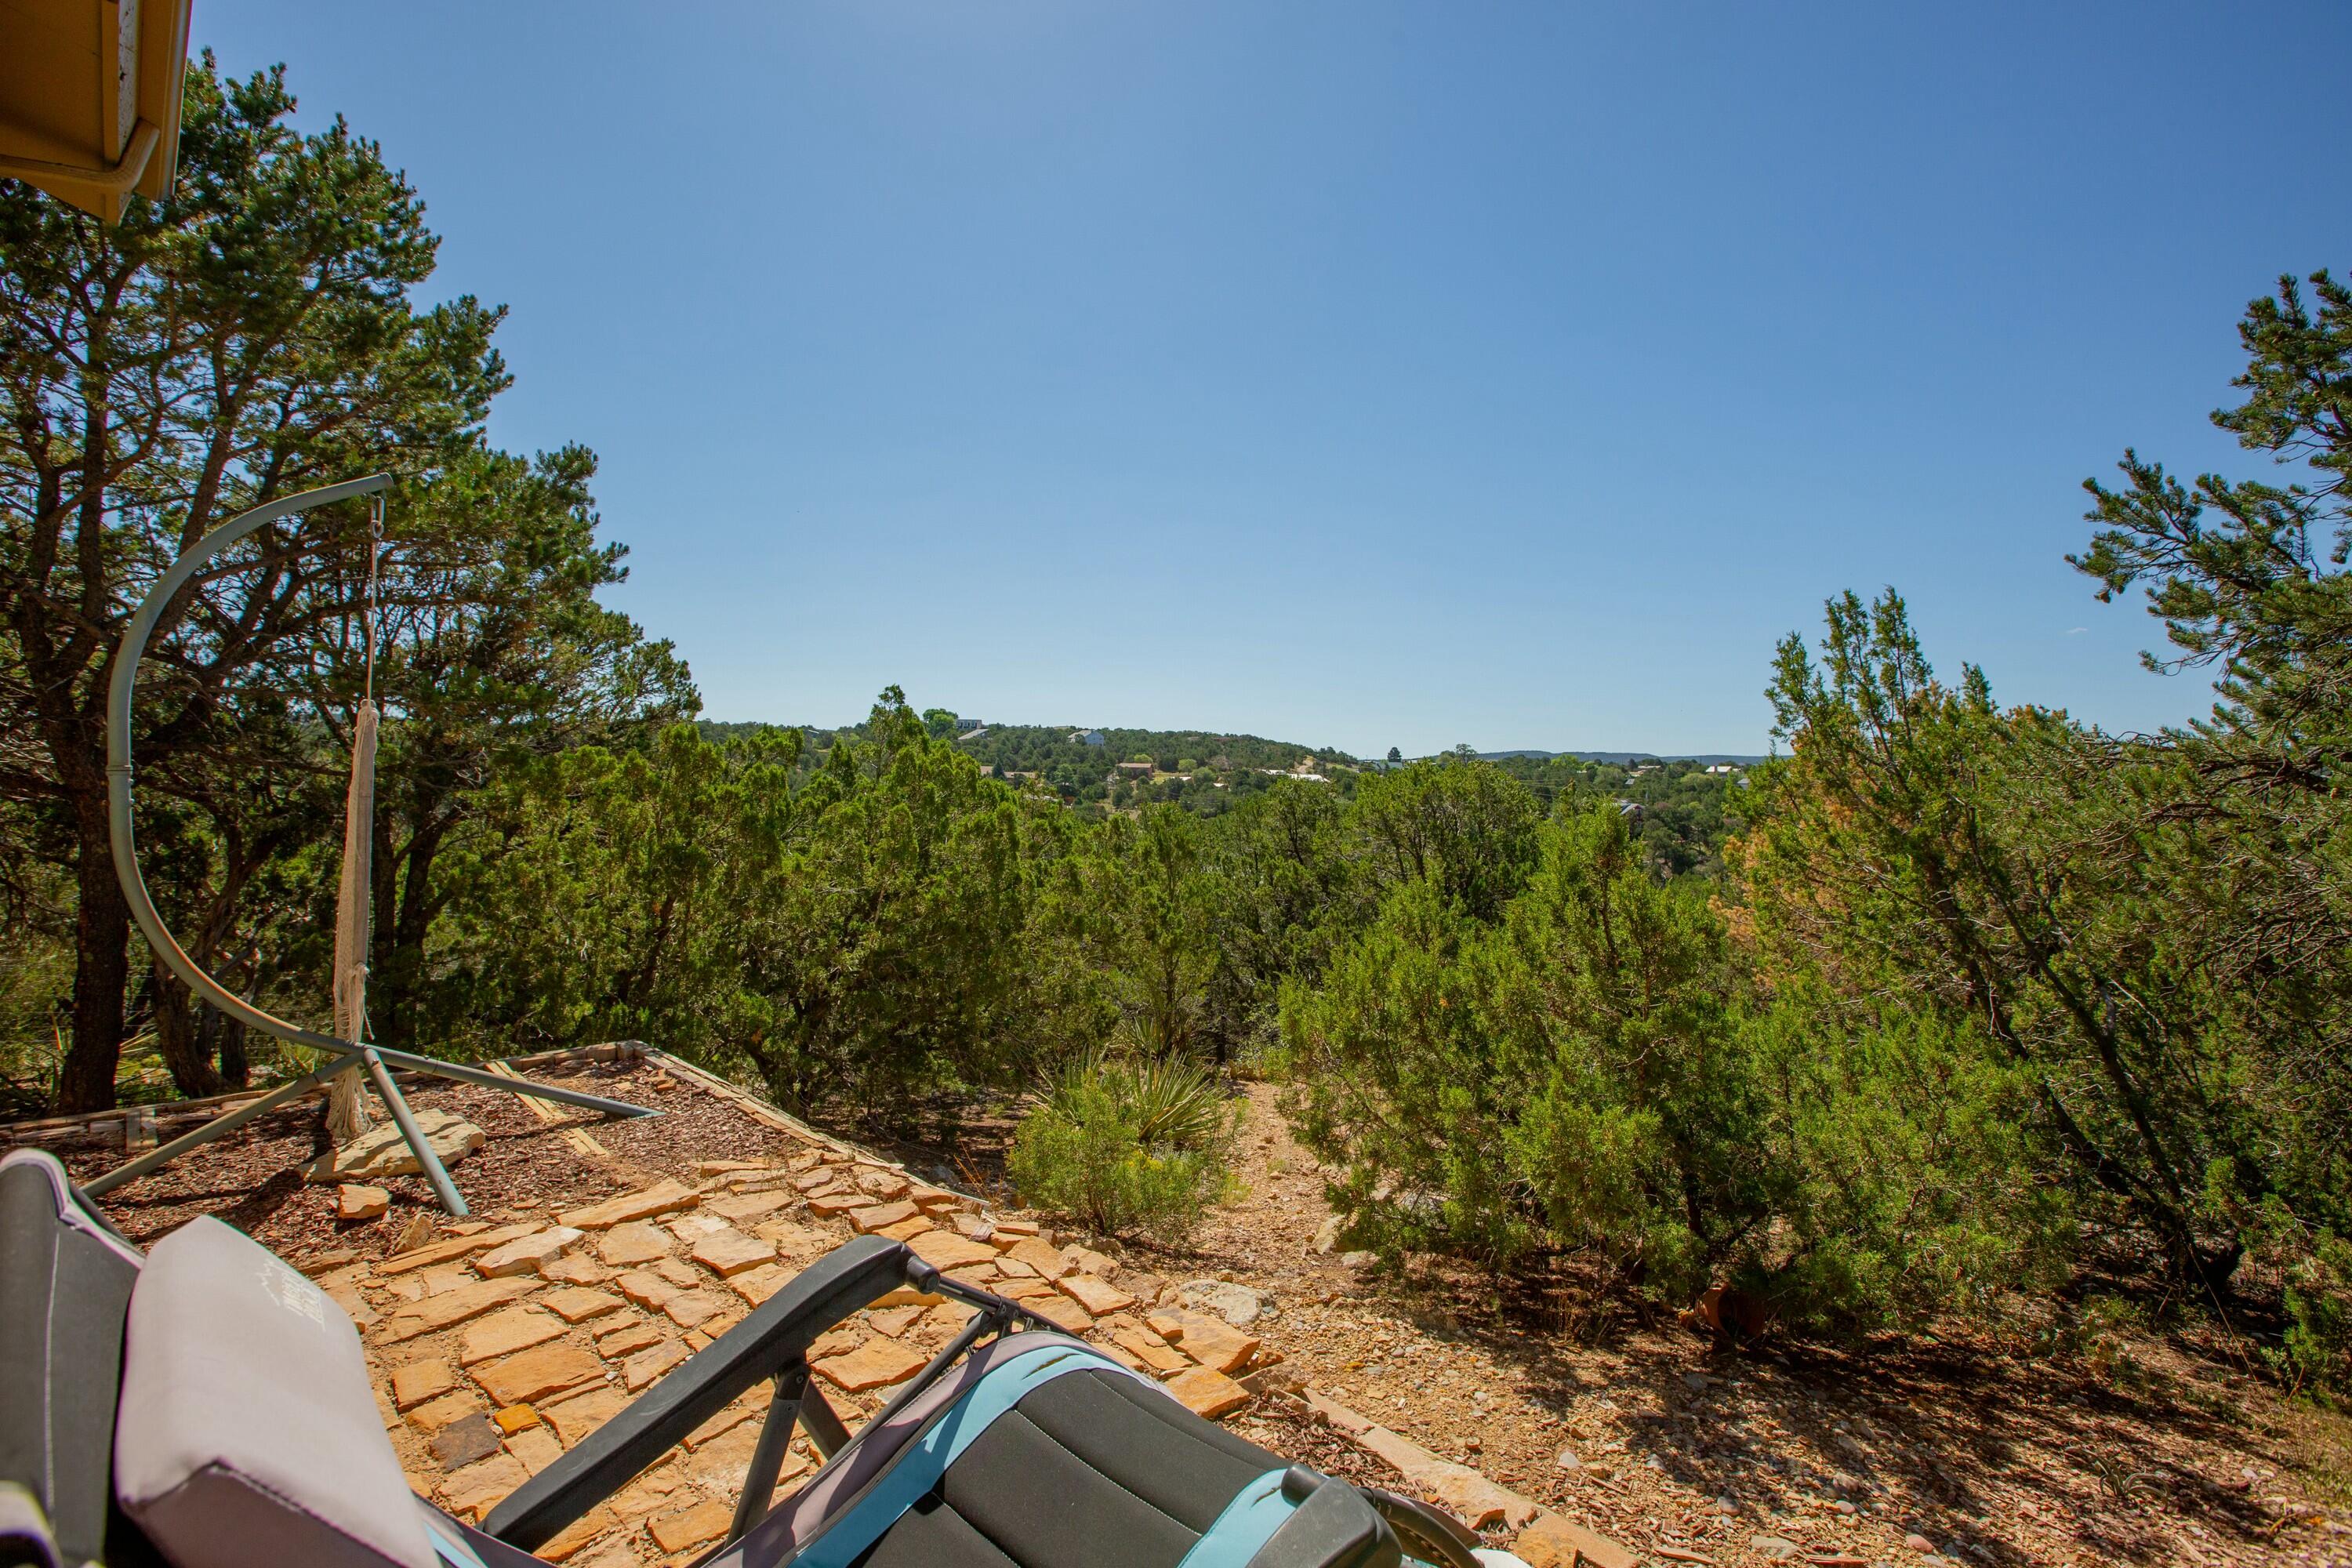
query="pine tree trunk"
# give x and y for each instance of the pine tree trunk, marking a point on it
(101, 970)
(178, 1038)
(235, 1070)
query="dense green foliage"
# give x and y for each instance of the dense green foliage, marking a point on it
(1931, 1012)
(1981, 993)
(1127, 1144)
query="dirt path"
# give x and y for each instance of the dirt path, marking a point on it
(1673, 1444)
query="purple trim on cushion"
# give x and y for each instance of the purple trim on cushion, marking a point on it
(69, 1204)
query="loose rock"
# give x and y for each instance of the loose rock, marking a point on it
(383, 1152)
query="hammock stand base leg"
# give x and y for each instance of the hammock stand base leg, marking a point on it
(523, 1086)
(435, 1175)
(227, 1122)
(377, 1062)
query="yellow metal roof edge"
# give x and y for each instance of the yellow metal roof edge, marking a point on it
(149, 155)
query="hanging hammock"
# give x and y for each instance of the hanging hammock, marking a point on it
(347, 1052)
(347, 1115)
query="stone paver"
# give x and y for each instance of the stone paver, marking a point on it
(503, 1333)
(756, 1285)
(616, 1552)
(578, 1303)
(449, 1309)
(1030, 1251)
(1094, 1294)
(678, 1272)
(632, 1243)
(535, 1374)
(734, 1416)
(742, 1206)
(651, 1492)
(1207, 1392)
(627, 1339)
(464, 1440)
(575, 1417)
(1212, 1341)
(1551, 1541)
(479, 1488)
(876, 1182)
(1060, 1311)
(873, 1364)
(719, 1466)
(663, 1197)
(692, 1308)
(894, 1320)
(1156, 1354)
(575, 1268)
(648, 1364)
(794, 1238)
(434, 1414)
(567, 1543)
(355, 1202)
(383, 1151)
(647, 1290)
(419, 1381)
(526, 1254)
(703, 1521)
(536, 1447)
(448, 1252)
(946, 1249)
(729, 1252)
(873, 1217)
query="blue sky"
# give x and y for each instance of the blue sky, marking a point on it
(1355, 373)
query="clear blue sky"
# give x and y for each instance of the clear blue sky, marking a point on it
(1355, 373)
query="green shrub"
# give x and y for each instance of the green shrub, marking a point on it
(2315, 1355)
(1129, 1146)
(1585, 1073)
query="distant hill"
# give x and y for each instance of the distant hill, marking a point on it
(1627, 759)
(1205, 769)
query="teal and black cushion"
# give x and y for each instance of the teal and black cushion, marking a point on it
(1080, 1463)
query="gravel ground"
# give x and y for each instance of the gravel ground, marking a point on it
(253, 1179)
(2178, 1455)
(1682, 1450)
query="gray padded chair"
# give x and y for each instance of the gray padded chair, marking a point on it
(203, 1405)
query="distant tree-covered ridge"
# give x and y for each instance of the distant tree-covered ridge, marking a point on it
(1111, 768)
(1685, 804)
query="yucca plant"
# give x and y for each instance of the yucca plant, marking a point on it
(1127, 1144)
(1173, 1104)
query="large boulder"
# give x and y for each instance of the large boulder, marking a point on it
(381, 1151)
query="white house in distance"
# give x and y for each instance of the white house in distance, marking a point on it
(1087, 737)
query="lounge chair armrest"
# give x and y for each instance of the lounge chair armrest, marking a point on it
(1331, 1525)
(776, 1335)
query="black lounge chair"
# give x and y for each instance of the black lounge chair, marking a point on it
(205, 1407)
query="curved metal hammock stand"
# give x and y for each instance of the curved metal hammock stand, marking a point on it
(340, 1054)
